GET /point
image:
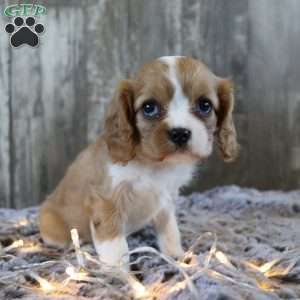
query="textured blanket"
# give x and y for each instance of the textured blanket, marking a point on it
(240, 244)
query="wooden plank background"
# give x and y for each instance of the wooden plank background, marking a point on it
(52, 98)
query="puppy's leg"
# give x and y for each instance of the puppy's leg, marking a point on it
(112, 251)
(168, 232)
(53, 229)
(107, 222)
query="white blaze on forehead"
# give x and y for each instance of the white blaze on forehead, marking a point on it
(179, 114)
(170, 58)
(179, 106)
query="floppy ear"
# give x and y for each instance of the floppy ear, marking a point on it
(120, 132)
(226, 132)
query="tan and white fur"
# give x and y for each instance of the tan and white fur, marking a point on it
(130, 176)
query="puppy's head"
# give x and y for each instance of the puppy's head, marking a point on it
(171, 111)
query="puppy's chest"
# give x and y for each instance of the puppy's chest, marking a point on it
(153, 189)
(163, 180)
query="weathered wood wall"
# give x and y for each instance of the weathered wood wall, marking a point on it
(52, 98)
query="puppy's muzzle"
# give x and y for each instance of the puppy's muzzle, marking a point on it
(179, 136)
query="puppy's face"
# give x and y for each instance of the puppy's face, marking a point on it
(171, 112)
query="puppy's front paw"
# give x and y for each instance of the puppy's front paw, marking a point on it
(113, 252)
(174, 251)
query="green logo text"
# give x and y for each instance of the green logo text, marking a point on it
(24, 10)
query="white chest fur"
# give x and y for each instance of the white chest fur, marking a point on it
(161, 184)
(164, 179)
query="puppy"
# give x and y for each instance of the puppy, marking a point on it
(158, 126)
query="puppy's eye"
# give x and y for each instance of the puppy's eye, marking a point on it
(151, 109)
(204, 106)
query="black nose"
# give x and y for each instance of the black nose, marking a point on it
(179, 136)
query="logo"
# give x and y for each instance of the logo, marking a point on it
(25, 10)
(24, 29)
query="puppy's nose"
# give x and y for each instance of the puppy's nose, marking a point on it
(179, 136)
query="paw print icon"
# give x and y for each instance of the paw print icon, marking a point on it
(24, 31)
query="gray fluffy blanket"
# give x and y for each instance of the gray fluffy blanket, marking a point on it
(241, 244)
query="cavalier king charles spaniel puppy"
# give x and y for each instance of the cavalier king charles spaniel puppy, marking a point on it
(158, 126)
